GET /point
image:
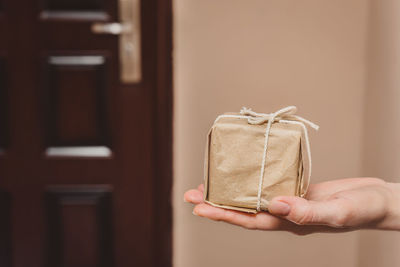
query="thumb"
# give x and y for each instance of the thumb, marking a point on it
(302, 211)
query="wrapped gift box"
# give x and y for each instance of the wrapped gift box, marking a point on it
(253, 157)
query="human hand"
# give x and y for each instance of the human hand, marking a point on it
(334, 206)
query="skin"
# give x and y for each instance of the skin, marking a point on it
(334, 206)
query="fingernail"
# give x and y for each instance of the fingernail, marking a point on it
(194, 213)
(279, 208)
(184, 200)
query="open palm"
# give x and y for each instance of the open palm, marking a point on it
(334, 206)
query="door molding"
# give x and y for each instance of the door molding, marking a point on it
(163, 158)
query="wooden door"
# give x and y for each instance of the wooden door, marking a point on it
(85, 159)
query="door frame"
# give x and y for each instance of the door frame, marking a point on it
(162, 149)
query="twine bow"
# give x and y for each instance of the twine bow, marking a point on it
(286, 114)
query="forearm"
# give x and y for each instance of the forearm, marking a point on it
(392, 218)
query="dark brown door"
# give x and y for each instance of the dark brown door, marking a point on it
(85, 157)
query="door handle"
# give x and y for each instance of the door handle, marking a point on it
(110, 28)
(128, 30)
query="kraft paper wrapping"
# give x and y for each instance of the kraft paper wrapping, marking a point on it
(233, 159)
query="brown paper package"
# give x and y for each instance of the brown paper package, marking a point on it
(233, 159)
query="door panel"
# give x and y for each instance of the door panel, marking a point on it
(77, 9)
(75, 91)
(84, 208)
(85, 161)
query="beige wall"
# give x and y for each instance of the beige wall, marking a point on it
(267, 54)
(382, 127)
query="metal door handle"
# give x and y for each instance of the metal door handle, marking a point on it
(128, 30)
(110, 28)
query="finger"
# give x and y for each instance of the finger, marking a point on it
(333, 213)
(201, 188)
(262, 220)
(193, 196)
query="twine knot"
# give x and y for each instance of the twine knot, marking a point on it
(287, 113)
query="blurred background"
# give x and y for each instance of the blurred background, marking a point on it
(338, 62)
(92, 90)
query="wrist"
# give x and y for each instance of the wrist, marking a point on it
(392, 218)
